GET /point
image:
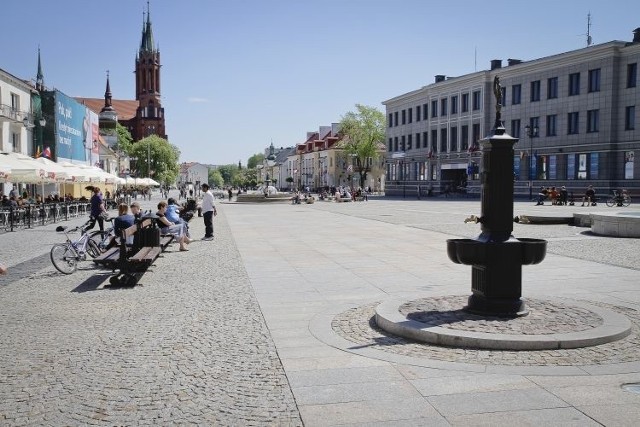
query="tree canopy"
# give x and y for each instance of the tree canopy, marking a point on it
(215, 178)
(156, 158)
(125, 140)
(255, 160)
(364, 133)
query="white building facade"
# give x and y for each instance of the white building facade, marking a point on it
(575, 115)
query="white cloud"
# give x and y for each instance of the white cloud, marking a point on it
(194, 100)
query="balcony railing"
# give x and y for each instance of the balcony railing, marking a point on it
(8, 113)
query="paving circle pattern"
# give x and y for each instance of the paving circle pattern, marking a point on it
(545, 317)
(357, 325)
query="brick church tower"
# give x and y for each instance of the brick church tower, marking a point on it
(149, 118)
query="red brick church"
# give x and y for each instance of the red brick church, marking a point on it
(143, 116)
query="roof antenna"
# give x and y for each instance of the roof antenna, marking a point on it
(589, 39)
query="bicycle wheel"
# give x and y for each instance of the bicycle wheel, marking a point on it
(99, 238)
(610, 202)
(626, 202)
(93, 249)
(64, 258)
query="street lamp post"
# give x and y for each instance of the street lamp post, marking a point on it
(531, 133)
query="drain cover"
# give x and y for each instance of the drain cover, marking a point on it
(632, 387)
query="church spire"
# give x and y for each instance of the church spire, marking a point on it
(39, 76)
(147, 33)
(107, 96)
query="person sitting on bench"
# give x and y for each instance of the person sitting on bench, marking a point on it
(542, 195)
(168, 227)
(589, 196)
(123, 221)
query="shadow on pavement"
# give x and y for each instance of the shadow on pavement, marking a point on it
(92, 283)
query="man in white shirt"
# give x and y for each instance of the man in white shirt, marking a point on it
(208, 212)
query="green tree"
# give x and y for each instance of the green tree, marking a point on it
(255, 160)
(215, 178)
(125, 140)
(364, 133)
(247, 178)
(228, 173)
(156, 158)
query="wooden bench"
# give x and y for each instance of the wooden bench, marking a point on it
(132, 261)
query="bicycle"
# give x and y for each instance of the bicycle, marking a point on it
(103, 238)
(619, 199)
(65, 256)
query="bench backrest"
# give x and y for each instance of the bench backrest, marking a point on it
(128, 232)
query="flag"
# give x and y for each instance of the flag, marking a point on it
(46, 153)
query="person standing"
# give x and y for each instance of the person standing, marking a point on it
(97, 209)
(208, 212)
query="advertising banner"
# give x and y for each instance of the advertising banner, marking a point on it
(70, 139)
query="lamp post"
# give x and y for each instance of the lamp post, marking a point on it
(532, 131)
(150, 131)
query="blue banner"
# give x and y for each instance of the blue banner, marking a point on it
(571, 166)
(71, 135)
(593, 166)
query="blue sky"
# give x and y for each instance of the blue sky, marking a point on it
(238, 74)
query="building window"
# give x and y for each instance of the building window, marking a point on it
(475, 138)
(434, 108)
(418, 116)
(454, 104)
(403, 143)
(534, 123)
(15, 102)
(475, 100)
(395, 143)
(552, 122)
(593, 121)
(410, 115)
(574, 84)
(573, 120)
(594, 80)
(515, 128)
(504, 96)
(390, 144)
(552, 88)
(464, 137)
(632, 73)
(630, 118)
(390, 124)
(443, 106)
(425, 112)
(409, 142)
(516, 94)
(425, 140)
(404, 117)
(417, 141)
(395, 118)
(465, 103)
(434, 140)
(453, 133)
(535, 91)
(15, 142)
(443, 140)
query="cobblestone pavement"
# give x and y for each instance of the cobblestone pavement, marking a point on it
(188, 345)
(545, 317)
(358, 325)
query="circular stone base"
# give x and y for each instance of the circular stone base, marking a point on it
(549, 325)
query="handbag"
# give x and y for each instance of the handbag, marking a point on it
(148, 237)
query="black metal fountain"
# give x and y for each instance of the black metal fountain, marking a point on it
(495, 255)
